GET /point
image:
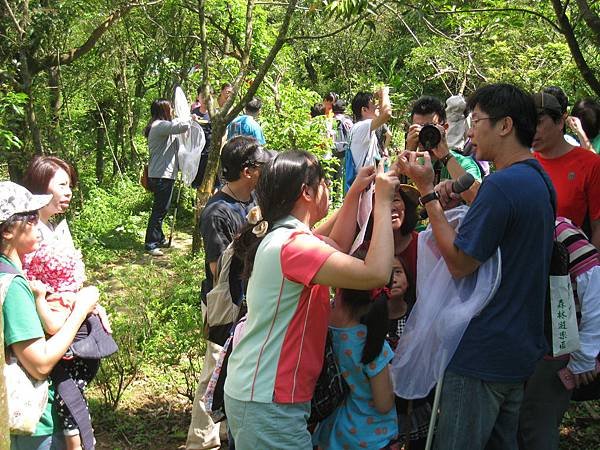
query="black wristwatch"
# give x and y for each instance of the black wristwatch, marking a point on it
(428, 197)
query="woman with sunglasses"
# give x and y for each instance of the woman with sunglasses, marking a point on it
(23, 333)
(273, 369)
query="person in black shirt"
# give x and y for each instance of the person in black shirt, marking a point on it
(223, 216)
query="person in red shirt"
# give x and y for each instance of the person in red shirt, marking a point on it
(574, 171)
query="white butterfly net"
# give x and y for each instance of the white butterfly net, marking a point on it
(191, 143)
(441, 314)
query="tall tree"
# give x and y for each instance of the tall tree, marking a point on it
(25, 31)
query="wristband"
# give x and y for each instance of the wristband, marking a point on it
(428, 197)
(446, 158)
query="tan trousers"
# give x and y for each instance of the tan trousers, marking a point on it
(203, 432)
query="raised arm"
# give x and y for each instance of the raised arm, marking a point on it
(459, 263)
(341, 270)
(167, 127)
(341, 226)
(385, 109)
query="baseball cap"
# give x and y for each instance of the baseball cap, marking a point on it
(547, 103)
(15, 199)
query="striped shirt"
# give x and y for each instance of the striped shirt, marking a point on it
(583, 256)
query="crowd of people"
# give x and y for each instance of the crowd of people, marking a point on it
(305, 280)
(501, 387)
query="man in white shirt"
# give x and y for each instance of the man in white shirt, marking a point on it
(369, 116)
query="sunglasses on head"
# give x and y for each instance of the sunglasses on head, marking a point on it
(29, 216)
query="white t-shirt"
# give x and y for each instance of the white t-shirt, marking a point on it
(364, 148)
(363, 144)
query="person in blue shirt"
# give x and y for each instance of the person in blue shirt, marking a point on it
(483, 384)
(246, 124)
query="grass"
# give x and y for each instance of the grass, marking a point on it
(154, 410)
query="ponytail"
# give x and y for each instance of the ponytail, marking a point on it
(376, 320)
(373, 314)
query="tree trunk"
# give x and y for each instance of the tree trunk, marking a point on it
(101, 125)
(55, 103)
(565, 25)
(591, 19)
(118, 141)
(206, 188)
(32, 124)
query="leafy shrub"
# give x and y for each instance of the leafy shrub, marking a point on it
(289, 125)
(110, 219)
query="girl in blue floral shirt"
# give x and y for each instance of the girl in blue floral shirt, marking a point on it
(367, 418)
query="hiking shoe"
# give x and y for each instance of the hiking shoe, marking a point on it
(156, 252)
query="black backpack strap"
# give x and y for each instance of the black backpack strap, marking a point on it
(547, 182)
(73, 398)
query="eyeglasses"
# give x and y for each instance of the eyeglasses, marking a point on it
(474, 122)
(31, 217)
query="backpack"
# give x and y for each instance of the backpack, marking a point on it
(26, 397)
(340, 140)
(222, 309)
(350, 170)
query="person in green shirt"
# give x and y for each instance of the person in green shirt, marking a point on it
(448, 164)
(23, 333)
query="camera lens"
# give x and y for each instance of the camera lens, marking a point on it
(429, 136)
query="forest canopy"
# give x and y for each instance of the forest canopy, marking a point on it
(77, 78)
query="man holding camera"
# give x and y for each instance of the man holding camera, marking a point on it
(427, 132)
(483, 385)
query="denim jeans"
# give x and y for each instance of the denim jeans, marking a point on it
(545, 402)
(162, 188)
(475, 414)
(49, 442)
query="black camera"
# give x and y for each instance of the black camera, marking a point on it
(429, 136)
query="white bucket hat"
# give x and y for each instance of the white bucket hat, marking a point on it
(15, 199)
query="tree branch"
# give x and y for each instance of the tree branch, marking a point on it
(416, 38)
(228, 34)
(522, 10)
(264, 68)
(14, 19)
(336, 31)
(591, 19)
(71, 55)
(567, 30)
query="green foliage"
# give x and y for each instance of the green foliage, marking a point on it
(110, 219)
(288, 125)
(154, 304)
(11, 116)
